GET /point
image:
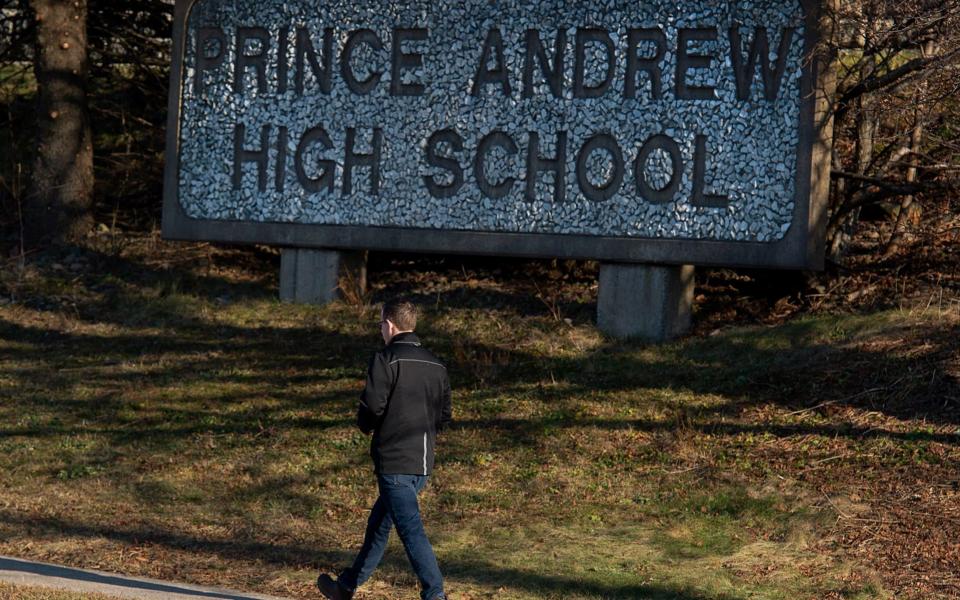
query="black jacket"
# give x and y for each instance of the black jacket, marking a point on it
(405, 403)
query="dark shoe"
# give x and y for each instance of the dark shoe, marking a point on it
(331, 589)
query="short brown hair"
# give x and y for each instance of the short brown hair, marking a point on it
(401, 313)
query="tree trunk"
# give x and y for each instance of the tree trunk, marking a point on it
(61, 190)
(908, 210)
(866, 128)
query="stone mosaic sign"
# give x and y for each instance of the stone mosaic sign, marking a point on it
(641, 131)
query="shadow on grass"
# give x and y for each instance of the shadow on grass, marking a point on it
(118, 279)
(303, 379)
(160, 386)
(127, 584)
(791, 366)
(248, 550)
(560, 586)
(301, 557)
(524, 429)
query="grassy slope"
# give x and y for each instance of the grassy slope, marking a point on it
(192, 428)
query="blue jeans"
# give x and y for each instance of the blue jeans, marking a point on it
(397, 505)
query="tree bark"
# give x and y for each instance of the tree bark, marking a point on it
(908, 210)
(60, 195)
(866, 127)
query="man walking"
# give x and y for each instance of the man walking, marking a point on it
(405, 403)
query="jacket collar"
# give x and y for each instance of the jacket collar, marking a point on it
(407, 337)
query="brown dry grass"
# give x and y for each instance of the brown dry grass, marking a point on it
(163, 416)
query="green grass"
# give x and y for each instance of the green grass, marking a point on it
(186, 427)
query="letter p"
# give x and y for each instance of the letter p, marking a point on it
(209, 55)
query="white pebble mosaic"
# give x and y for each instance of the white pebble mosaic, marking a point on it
(749, 147)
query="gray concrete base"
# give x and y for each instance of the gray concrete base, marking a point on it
(311, 276)
(85, 581)
(651, 302)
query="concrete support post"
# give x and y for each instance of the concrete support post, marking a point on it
(651, 302)
(311, 276)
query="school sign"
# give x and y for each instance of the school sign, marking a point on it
(689, 132)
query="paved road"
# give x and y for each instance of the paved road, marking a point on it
(24, 572)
